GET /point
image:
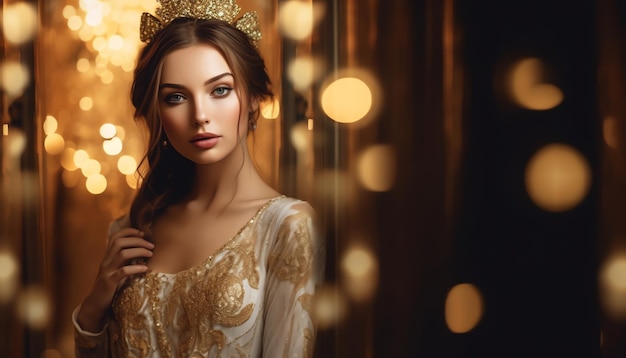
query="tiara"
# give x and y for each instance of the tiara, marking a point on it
(225, 10)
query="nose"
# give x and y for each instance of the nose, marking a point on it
(200, 112)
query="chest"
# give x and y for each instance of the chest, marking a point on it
(184, 240)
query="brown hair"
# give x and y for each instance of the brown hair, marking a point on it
(169, 175)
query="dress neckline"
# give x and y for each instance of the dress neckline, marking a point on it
(223, 247)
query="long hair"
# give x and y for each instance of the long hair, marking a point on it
(169, 177)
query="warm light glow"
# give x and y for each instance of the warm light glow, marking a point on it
(54, 144)
(50, 125)
(68, 11)
(303, 71)
(70, 179)
(610, 131)
(126, 164)
(613, 285)
(90, 167)
(557, 177)
(310, 124)
(296, 19)
(270, 109)
(132, 180)
(120, 132)
(15, 142)
(300, 137)
(463, 308)
(377, 168)
(19, 22)
(74, 23)
(83, 65)
(112, 146)
(527, 87)
(116, 42)
(360, 270)
(347, 100)
(80, 158)
(67, 159)
(108, 131)
(86, 103)
(96, 184)
(9, 276)
(107, 77)
(329, 306)
(33, 307)
(51, 353)
(8, 267)
(14, 76)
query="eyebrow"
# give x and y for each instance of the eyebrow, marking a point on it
(207, 82)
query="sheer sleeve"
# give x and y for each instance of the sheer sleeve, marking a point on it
(295, 268)
(90, 344)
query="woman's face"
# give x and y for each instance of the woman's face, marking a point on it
(199, 105)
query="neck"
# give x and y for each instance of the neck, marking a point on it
(217, 185)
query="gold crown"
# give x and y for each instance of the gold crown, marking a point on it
(225, 10)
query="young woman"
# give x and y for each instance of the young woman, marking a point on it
(210, 261)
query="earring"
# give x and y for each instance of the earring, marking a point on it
(252, 124)
(164, 143)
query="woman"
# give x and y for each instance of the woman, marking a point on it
(210, 261)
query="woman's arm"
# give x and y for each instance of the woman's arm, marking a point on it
(295, 269)
(90, 318)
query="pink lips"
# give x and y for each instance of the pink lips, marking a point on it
(205, 140)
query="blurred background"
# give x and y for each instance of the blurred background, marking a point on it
(467, 157)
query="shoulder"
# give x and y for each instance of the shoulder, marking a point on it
(287, 210)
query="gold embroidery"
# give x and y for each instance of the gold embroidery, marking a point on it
(306, 300)
(190, 314)
(295, 257)
(309, 339)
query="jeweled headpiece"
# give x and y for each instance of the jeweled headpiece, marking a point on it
(226, 10)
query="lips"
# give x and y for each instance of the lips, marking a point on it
(205, 140)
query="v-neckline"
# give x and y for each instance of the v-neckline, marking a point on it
(221, 248)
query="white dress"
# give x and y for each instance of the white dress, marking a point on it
(252, 298)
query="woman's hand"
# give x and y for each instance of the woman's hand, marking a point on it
(120, 261)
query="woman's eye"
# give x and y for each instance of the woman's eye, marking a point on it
(174, 98)
(221, 91)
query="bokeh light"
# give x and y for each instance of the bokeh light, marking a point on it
(108, 131)
(528, 89)
(96, 184)
(90, 167)
(19, 22)
(86, 103)
(54, 144)
(15, 77)
(270, 109)
(50, 125)
(112, 146)
(346, 100)
(296, 19)
(300, 137)
(613, 285)
(463, 308)
(67, 159)
(9, 275)
(70, 179)
(303, 71)
(33, 307)
(557, 177)
(14, 142)
(80, 158)
(377, 168)
(329, 306)
(359, 267)
(126, 164)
